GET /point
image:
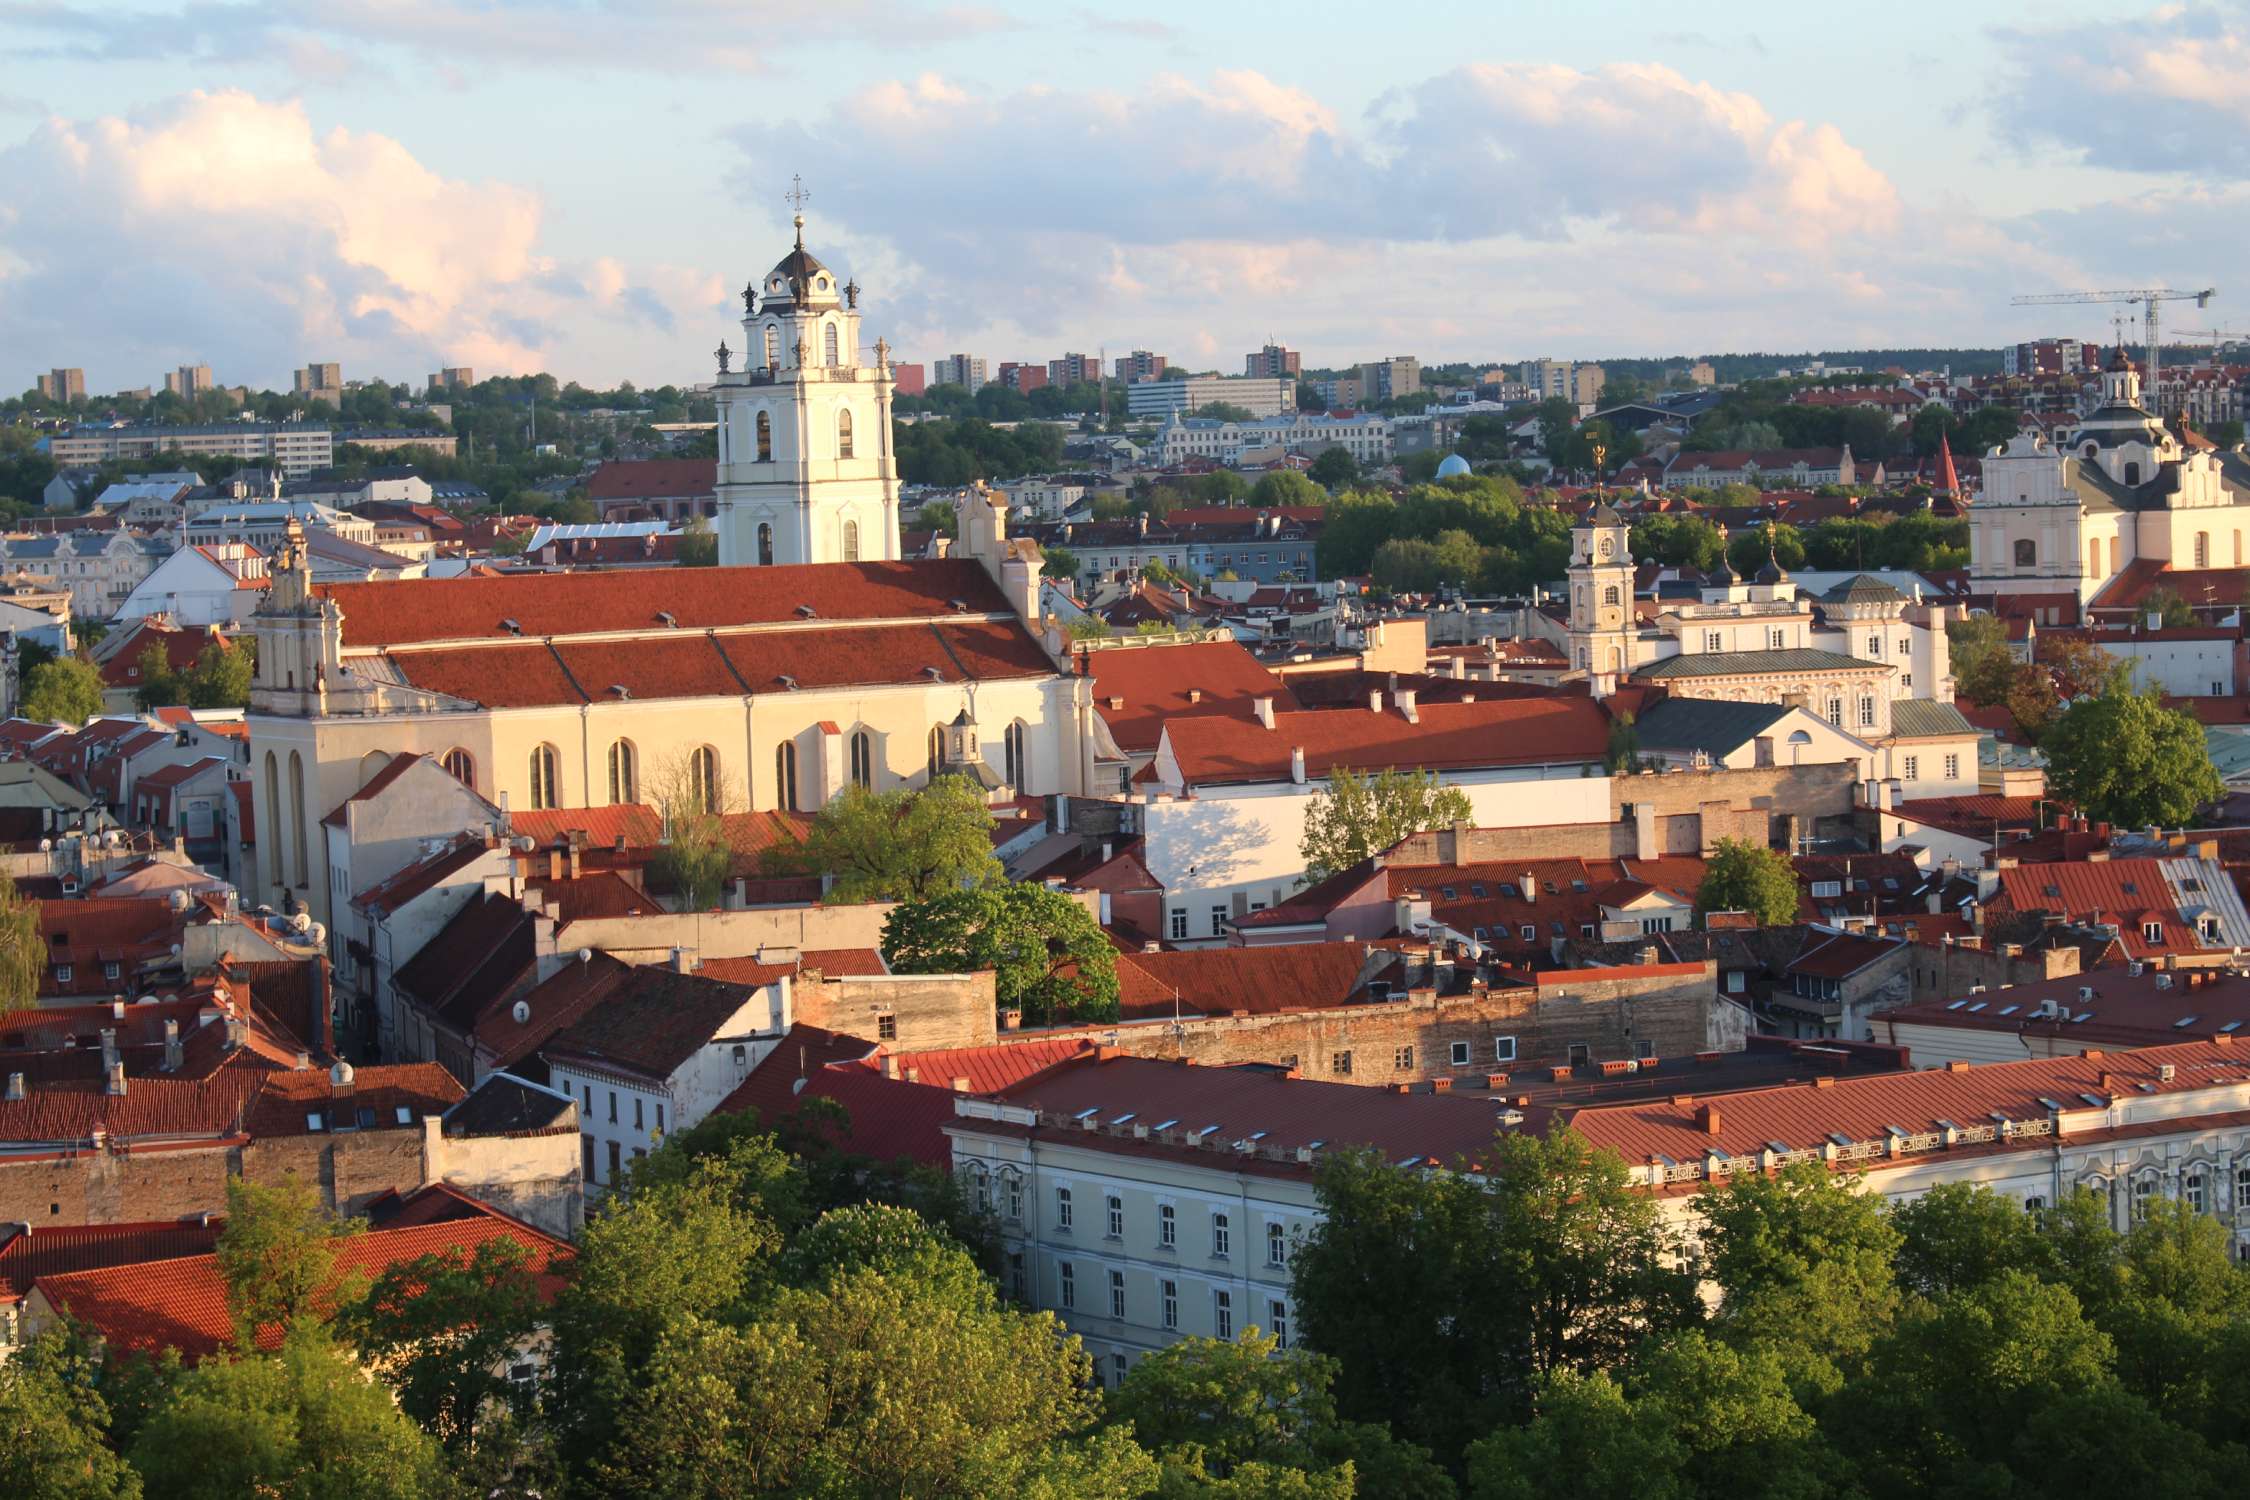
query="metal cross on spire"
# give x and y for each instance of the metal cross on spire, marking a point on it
(797, 197)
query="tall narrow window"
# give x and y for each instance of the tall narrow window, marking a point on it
(844, 433)
(851, 541)
(765, 438)
(773, 346)
(1012, 743)
(462, 766)
(703, 777)
(863, 759)
(624, 778)
(765, 544)
(785, 776)
(937, 750)
(828, 346)
(274, 825)
(297, 816)
(546, 767)
(2203, 549)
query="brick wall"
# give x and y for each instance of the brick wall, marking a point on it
(114, 1187)
(1610, 1016)
(1946, 971)
(928, 1010)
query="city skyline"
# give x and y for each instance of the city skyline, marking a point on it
(249, 187)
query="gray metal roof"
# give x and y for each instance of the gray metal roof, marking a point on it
(1709, 724)
(1738, 663)
(1863, 588)
(1915, 717)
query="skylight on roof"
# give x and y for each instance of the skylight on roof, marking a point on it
(2082, 1018)
(2008, 1010)
(2184, 1022)
(1956, 1005)
(2231, 1027)
(1980, 1005)
(1167, 1125)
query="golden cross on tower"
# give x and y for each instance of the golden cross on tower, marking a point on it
(797, 197)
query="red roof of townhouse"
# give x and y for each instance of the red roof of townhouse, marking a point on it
(166, 777)
(1137, 688)
(181, 1304)
(182, 644)
(2132, 893)
(1249, 981)
(1449, 736)
(565, 604)
(422, 876)
(391, 1096)
(842, 963)
(1808, 1117)
(984, 1070)
(595, 894)
(2103, 1008)
(1489, 899)
(623, 479)
(1980, 814)
(627, 825)
(54, 1250)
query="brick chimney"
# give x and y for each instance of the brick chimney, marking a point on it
(1707, 1118)
(1263, 708)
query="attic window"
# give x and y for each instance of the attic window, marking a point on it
(2054, 890)
(1890, 882)
(1550, 885)
(621, 690)
(1447, 891)
(405, 1115)
(1510, 892)
(959, 606)
(1476, 889)
(787, 681)
(668, 618)
(312, 1120)
(2009, 1010)
(1980, 1005)
(2130, 888)
(1576, 885)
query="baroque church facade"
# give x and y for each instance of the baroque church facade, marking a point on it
(812, 660)
(2061, 521)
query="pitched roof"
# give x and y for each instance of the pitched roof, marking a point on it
(1254, 981)
(653, 479)
(626, 825)
(398, 613)
(889, 1117)
(393, 769)
(424, 875)
(1915, 718)
(1734, 663)
(181, 1304)
(1137, 688)
(474, 959)
(1713, 725)
(51, 1250)
(392, 1096)
(2131, 893)
(652, 1020)
(1450, 736)
(595, 894)
(987, 1070)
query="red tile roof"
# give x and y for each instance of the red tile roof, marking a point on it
(987, 1070)
(889, 1118)
(654, 1018)
(653, 479)
(422, 876)
(181, 645)
(841, 963)
(401, 613)
(2127, 892)
(629, 825)
(1137, 688)
(1841, 955)
(1488, 900)
(1980, 813)
(1451, 736)
(1802, 1117)
(595, 894)
(1254, 981)
(181, 1304)
(51, 1250)
(287, 1099)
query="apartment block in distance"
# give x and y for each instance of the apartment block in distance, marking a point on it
(965, 370)
(1074, 369)
(319, 383)
(188, 380)
(1382, 379)
(1273, 362)
(296, 448)
(453, 378)
(1260, 398)
(61, 384)
(1141, 365)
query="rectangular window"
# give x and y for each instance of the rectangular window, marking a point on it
(62, 973)
(1016, 1275)
(1404, 1060)
(1277, 1245)
(1836, 712)
(1171, 1304)
(2193, 1195)
(1866, 712)
(1167, 1226)
(660, 1117)
(1179, 923)
(637, 1124)
(1913, 768)
(1530, 933)
(1952, 767)
(616, 1162)
(886, 1028)
(1218, 919)
(1062, 1209)
(1460, 1054)
(1117, 1294)
(1710, 640)
(1067, 1274)
(1277, 1314)
(1222, 1315)
(2242, 1187)
(1015, 1199)
(1220, 1237)
(613, 1106)
(1776, 639)
(1503, 1049)
(1116, 1217)
(1340, 1064)
(586, 1147)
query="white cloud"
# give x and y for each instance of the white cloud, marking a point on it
(2163, 92)
(223, 227)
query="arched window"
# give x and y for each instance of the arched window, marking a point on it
(828, 349)
(371, 766)
(937, 750)
(703, 779)
(1013, 752)
(546, 767)
(274, 824)
(624, 772)
(2027, 554)
(851, 541)
(765, 543)
(863, 759)
(773, 346)
(844, 433)
(785, 776)
(297, 818)
(1609, 595)
(462, 765)
(765, 438)
(2203, 549)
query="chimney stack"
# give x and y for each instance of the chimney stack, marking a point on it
(109, 1046)
(117, 1080)
(1263, 707)
(1707, 1117)
(1297, 764)
(15, 1086)
(173, 1054)
(683, 961)
(1530, 889)
(1406, 707)
(1374, 700)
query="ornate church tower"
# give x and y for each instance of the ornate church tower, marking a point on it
(806, 472)
(1601, 598)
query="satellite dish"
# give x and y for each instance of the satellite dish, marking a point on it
(46, 846)
(302, 921)
(521, 1010)
(341, 1074)
(527, 843)
(317, 933)
(585, 955)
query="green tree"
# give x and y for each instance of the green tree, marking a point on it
(221, 675)
(1222, 411)
(1061, 563)
(1744, 876)
(1585, 1442)
(907, 844)
(1357, 524)
(1357, 816)
(2124, 758)
(1087, 628)
(23, 951)
(1623, 756)
(1775, 541)
(1958, 1236)
(67, 690)
(1678, 541)
(2171, 611)
(441, 1331)
(1287, 487)
(302, 1424)
(1051, 960)
(1983, 667)
(160, 686)
(54, 1425)
(698, 546)
(277, 1255)
(1334, 469)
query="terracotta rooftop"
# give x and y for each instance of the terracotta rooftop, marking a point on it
(1254, 981)
(2106, 1008)
(628, 825)
(1561, 729)
(653, 1020)
(44, 1250)
(1137, 688)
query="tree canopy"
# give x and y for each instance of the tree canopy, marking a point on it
(2124, 758)
(906, 844)
(1357, 815)
(67, 690)
(1051, 959)
(1743, 876)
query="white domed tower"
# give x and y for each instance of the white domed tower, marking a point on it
(806, 472)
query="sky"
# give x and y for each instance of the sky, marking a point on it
(582, 186)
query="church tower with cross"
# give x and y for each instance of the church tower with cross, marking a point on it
(806, 471)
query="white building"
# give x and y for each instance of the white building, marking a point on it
(806, 472)
(1366, 437)
(99, 568)
(1260, 398)
(1043, 499)
(263, 523)
(294, 447)
(218, 584)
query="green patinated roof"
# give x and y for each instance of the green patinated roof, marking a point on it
(1919, 717)
(1743, 663)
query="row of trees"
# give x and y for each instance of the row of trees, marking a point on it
(967, 449)
(219, 677)
(1471, 530)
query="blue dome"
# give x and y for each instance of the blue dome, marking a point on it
(1452, 464)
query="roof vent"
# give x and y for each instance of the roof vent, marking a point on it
(935, 674)
(959, 606)
(788, 682)
(621, 690)
(671, 620)
(807, 612)
(511, 627)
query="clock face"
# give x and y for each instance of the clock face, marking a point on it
(1605, 546)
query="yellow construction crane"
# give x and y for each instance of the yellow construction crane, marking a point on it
(2147, 296)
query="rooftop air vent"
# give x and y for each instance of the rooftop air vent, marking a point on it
(958, 606)
(671, 620)
(512, 627)
(621, 690)
(788, 682)
(806, 611)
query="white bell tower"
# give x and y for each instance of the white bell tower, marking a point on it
(1601, 597)
(806, 472)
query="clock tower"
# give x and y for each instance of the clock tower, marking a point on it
(1601, 598)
